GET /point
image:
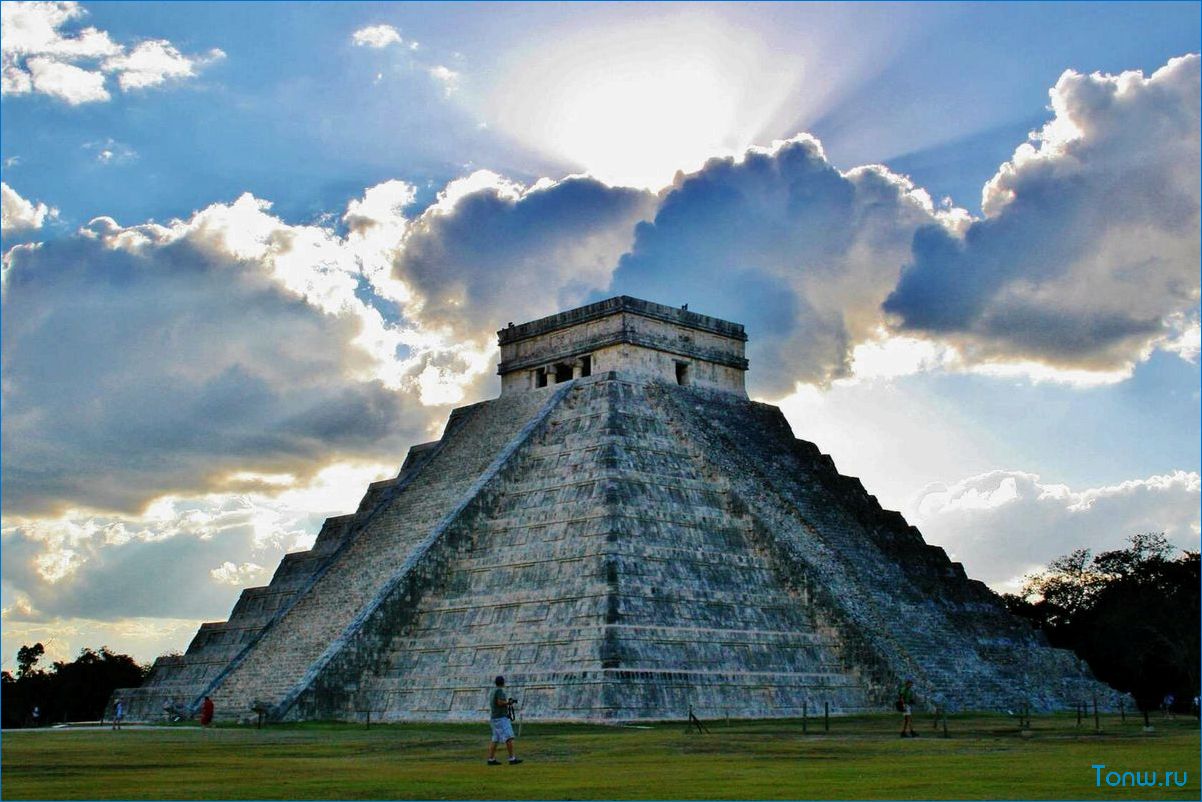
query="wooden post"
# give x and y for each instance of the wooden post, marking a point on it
(944, 723)
(1079, 706)
(826, 716)
(804, 716)
(1122, 712)
(1097, 722)
(368, 719)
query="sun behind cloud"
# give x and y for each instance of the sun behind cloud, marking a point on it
(634, 103)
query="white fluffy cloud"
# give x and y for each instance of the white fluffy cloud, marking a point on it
(154, 62)
(1087, 257)
(1005, 524)
(40, 55)
(66, 81)
(445, 76)
(36, 28)
(377, 36)
(18, 214)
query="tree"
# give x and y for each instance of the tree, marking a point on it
(69, 691)
(27, 658)
(1132, 614)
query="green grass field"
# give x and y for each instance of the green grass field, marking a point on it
(860, 758)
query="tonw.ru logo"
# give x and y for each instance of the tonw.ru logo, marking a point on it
(1139, 779)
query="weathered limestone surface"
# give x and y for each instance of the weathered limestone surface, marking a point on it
(621, 547)
(611, 574)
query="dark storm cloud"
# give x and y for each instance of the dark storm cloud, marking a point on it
(131, 371)
(785, 243)
(500, 253)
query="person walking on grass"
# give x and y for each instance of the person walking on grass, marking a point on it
(118, 714)
(905, 705)
(502, 726)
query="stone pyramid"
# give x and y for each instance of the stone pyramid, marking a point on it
(623, 534)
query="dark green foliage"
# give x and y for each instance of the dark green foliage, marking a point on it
(27, 658)
(1132, 614)
(75, 691)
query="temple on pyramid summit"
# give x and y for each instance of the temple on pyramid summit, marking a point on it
(623, 535)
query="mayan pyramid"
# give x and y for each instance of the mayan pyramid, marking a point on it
(623, 534)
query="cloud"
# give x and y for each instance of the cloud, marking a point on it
(237, 575)
(110, 151)
(91, 578)
(491, 250)
(145, 360)
(39, 56)
(1089, 247)
(66, 81)
(19, 214)
(1186, 341)
(381, 208)
(35, 28)
(782, 241)
(377, 36)
(1005, 524)
(144, 638)
(445, 76)
(154, 62)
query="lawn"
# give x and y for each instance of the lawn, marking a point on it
(860, 758)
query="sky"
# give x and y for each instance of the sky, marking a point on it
(254, 251)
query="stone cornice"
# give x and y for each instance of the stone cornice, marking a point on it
(622, 304)
(628, 337)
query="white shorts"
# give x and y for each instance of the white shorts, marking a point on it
(906, 710)
(502, 729)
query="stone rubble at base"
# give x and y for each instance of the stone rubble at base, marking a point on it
(623, 535)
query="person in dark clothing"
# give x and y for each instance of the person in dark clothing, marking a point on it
(206, 712)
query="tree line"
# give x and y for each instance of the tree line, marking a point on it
(67, 691)
(1132, 614)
